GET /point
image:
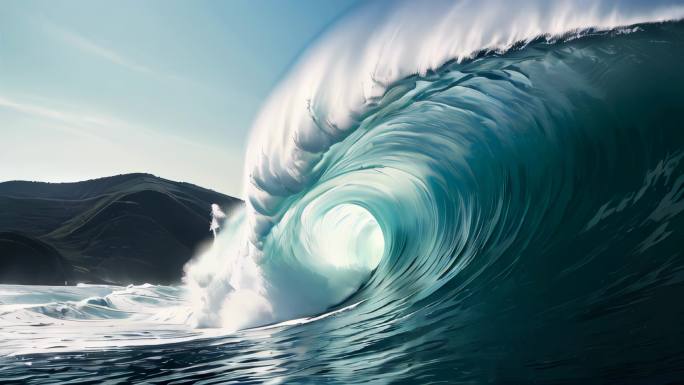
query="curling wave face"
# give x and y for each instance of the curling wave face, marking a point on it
(412, 138)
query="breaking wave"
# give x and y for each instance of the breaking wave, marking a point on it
(466, 155)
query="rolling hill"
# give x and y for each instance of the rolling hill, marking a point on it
(124, 229)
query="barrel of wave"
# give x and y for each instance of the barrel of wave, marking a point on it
(316, 258)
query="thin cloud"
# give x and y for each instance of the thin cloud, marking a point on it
(109, 146)
(54, 114)
(91, 126)
(91, 47)
(99, 126)
(30, 109)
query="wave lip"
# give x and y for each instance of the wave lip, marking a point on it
(347, 75)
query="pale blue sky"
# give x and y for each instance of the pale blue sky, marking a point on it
(95, 88)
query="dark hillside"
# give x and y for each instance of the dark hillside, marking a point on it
(124, 229)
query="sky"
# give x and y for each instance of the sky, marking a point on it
(97, 88)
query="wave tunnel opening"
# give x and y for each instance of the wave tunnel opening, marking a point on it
(345, 237)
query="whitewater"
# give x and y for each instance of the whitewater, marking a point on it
(465, 192)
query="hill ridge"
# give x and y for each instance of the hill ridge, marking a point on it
(136, 219)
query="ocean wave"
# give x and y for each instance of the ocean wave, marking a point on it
(413, 144)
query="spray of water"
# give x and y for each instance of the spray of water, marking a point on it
(216, 215)
(225, 278)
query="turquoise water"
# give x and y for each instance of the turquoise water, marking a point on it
(515, 218)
